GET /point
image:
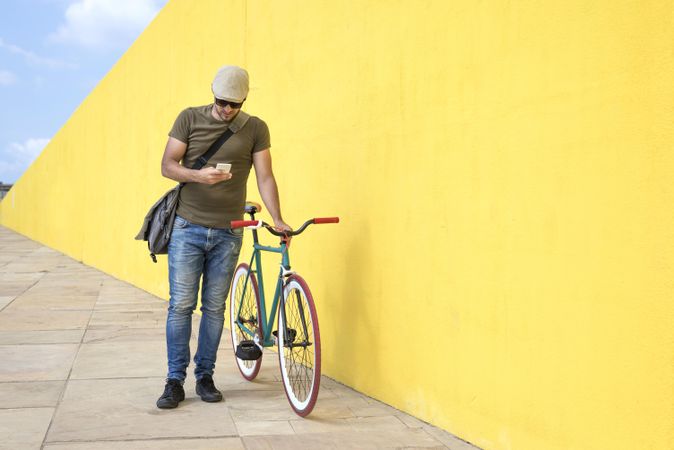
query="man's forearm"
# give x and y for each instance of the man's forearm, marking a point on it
(269, 193)
(178, 172)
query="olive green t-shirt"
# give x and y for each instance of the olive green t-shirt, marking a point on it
(215, 205)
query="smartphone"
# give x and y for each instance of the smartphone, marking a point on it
(224, 167)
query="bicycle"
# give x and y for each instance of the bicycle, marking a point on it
(299, 345)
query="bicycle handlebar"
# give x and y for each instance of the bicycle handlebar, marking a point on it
(326, 220)
(272, 230)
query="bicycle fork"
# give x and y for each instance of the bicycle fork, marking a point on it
(289, 334)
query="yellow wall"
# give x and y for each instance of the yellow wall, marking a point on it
(503, 171)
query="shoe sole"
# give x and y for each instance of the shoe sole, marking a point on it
(169, 405)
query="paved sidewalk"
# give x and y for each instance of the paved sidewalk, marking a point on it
(82, 362)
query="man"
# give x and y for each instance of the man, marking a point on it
(202, 242)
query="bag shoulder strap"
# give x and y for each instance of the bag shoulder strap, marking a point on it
(215, 146)
(239, 121)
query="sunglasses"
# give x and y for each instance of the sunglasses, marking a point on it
(222, 103)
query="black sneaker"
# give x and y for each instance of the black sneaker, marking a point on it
(207, 391)
(173, 394)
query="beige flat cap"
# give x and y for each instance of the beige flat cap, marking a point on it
(231, 83)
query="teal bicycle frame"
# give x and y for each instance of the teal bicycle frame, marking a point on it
(298, 340)
(255, 267)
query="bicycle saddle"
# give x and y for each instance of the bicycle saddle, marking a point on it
(252, 207)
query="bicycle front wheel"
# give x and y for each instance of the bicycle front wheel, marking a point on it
(299, 346)
(245, 320)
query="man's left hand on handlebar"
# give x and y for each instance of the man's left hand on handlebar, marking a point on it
(280, 225)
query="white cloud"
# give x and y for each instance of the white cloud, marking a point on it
(18, 156)
(6, 78)
(32, 58)
(30, 148)
(105, 24)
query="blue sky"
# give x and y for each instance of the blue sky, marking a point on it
(52, 54)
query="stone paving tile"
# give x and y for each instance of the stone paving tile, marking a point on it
(30, 394)
(29, 263)
(23, 428)
(128, 319)
(118, 409)
(229, 379)
(102, 335)
(51, 290)
(36, 362)
(120, 360)
(7, 276)
(345, 439)
(341, 390)
(53, 302)
(289, 442)
(410, 421)
(235, 382)
(121, 305)
(14, 288)
(330, 406)
(32, 320)
(92, 276)
(316, 424)
(41, 337)
(233, 443)
(79, 284)
(248, 406)
(263, 427)
(380, 423)
(25, 279)
(121, 300)
(5, 300)
(126, 291)
(14, 248)
(372, 410)
(452, 442)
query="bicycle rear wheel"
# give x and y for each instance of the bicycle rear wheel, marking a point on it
(299, 346)
(244, 310)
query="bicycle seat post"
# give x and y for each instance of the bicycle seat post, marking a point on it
(251, 209)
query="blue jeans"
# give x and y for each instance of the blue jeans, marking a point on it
(195, 250)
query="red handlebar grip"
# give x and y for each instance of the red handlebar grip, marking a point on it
(326, 220)
(243, 223)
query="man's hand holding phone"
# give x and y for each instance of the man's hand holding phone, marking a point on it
(211, 175)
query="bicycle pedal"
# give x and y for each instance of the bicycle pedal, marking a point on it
(248, 351)
(290, 337)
